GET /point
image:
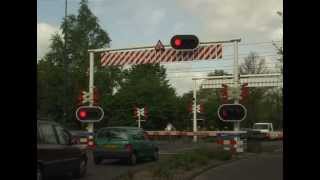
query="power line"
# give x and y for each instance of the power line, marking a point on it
(220, 61)
(206, 72)
(269, 61)
(256, 43)
(205, 75)
(221, 66)
(267, 53)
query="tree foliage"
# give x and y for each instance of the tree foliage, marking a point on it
(82, 32)
(259, 108)
(144, 86)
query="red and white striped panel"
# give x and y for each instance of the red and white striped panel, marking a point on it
(144, 56)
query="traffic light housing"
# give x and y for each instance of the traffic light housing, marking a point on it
(232, 112)
(224, 93)
(244, 91)
(145, 113)
(79, 100)
(96, 96)
(88, 114)
(184, 42)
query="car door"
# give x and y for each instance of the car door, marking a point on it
(149, 145)
(49, 151)
(70, 154)
(139, 144)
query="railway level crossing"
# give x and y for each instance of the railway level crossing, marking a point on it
(167, 54)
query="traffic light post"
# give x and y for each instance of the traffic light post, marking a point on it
(90, 126)
(236, 126)
(195, 111)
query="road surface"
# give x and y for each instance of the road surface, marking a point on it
(265, 166)
(110, 169)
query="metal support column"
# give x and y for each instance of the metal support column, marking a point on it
(91, 87)
(236, 78)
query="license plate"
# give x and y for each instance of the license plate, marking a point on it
(110, 147)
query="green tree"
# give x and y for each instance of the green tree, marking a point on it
(82, 32)
(263, 104)
(143, 86)
(253, 64)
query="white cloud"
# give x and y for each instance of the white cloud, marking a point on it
(251, 20)
(157, 16)
(183, 82)
(153, 21)
(44, 33)
(277, 34)
(180, 75)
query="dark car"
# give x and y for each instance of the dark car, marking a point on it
(126, 143)
(82, 137)
(56, 153)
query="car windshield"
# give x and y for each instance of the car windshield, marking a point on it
(260, 126)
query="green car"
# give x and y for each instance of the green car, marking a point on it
(125, 143)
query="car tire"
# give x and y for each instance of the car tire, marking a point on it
(132, 159)
(39, 174)
(97, 160)
(81, 170)
(155, 155)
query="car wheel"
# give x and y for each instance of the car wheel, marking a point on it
(155, 156)
(81, 170)
(39, 174)
(132, 159)
(97, 160)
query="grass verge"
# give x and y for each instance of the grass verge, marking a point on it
(183, 163)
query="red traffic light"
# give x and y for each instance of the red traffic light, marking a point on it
(82, 114)
(232, 112)
(177, 42)
(244, 91)
(184, 42)
(89, 113)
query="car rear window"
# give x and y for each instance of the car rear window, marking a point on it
(47, 134)
(260, 126)
(113, 134)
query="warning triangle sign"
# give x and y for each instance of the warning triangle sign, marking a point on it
(159, 46)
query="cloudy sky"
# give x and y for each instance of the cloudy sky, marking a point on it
(144, 22)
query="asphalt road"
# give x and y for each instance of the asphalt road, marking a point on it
(265, 166)
(110, 169)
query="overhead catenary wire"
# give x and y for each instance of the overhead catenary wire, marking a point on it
(204, 75)
(257, 43)
(218, 67)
